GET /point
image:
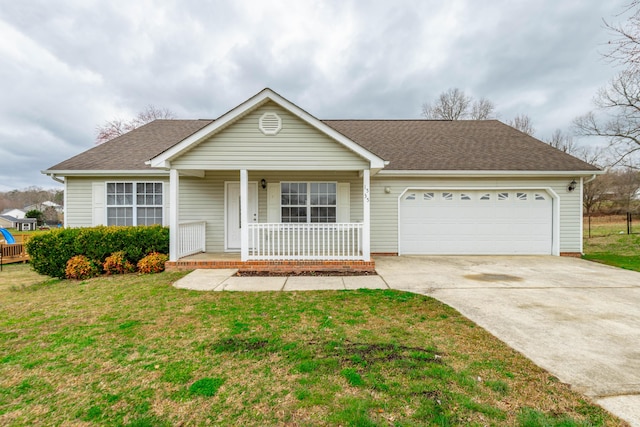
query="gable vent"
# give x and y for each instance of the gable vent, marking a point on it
(270, 123)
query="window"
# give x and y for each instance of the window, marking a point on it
(521, 196)
(308, 202)
(539, 197)
(131, 203)
(428, 196)
(503, 196)
(410, 196)
(447, 196)
(464, 196)
(485, 196)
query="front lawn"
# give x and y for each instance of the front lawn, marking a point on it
(611, 246)
(133, 350)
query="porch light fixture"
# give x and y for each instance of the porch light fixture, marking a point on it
(572, 185)
(263, 183)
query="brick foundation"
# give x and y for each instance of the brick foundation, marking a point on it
(275, 266)
(571, 254)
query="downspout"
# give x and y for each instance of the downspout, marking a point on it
(590, 179)
(581, 209)
(55, 178)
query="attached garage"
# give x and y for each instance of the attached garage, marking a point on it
(476, 222)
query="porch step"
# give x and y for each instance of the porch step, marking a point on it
(275, 266)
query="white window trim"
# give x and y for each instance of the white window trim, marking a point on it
(134, 205)
(308, 205)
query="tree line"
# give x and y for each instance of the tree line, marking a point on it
(34, 196)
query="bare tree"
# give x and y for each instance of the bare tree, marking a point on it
(116, 127)
(523, 123)
(483, 109)
(617, 116)
(451, 105)
(564, 142)
(454, 104)
(626, 183)
(625, 47)
(594, 190)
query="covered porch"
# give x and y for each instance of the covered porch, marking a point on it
(264, 238)
(245, 183)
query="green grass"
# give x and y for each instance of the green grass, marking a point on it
(134, 351)
(618, 250)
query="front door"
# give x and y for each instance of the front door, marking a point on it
(233, 212)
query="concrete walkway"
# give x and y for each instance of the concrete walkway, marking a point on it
(225, 280)
(577, 319)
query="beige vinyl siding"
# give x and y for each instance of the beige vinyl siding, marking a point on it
(202, 199)
(79, 208)
(79, 198)
(298, 146)
(384, 207)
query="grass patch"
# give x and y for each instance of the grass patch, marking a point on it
(134, 351)
(618, 250)
(206, 386)
(621, 261)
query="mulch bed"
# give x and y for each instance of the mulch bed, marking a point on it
(253, 273)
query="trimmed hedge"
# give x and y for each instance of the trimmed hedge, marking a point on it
(49, 252)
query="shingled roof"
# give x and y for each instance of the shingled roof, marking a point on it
(131, 150)
(420, 145)
(475, 145)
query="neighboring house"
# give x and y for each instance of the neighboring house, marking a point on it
(272, 182)
(16, 213)
(44, 205)
(20, 224)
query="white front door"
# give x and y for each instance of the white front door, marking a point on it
(233, 212)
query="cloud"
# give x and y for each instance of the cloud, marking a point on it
(67, 66)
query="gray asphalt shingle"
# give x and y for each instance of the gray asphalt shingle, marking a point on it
(475, 145)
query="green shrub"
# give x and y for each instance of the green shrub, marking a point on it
(152, 263)
(116, 263)
(49, 252)
(80, 267)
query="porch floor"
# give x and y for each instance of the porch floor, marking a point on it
(213, 260)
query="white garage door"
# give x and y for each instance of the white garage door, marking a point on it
(476, 222)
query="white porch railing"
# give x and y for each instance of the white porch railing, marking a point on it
(191, 238)
(318, 241)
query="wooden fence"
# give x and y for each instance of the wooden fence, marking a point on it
(14, 252)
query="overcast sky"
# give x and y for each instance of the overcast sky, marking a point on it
(67, 66)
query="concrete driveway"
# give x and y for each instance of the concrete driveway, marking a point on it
(577, 319)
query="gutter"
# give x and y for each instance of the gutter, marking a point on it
(480, 173)
(94, 172)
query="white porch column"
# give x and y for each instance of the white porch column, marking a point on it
(366, 226)
(244, 216)
(174, 186)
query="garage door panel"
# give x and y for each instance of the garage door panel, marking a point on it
(476, 222)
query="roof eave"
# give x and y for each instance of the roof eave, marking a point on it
(485, 173)
(97, 172)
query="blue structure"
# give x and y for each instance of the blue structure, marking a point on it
(7, 236)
